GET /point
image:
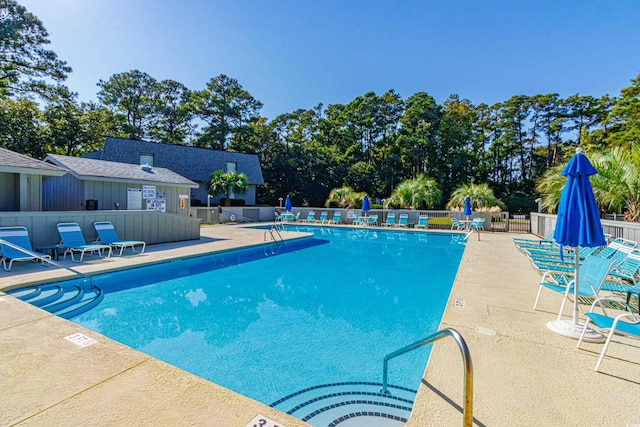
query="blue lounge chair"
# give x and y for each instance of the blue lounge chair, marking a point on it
(536, 242)
(629, 268)
(618, 250)
(310, 217)
(625, 324)
(18, 236)
(423, 222)
(107, 235)
(391, 220)
(359, 220)
(403, 220)
(336, 218)
(372, 220)
(593, 273)
(323, 217)
(73, 241)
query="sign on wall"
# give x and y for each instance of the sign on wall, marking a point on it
(148, 191)
(158, 205)
(134, 199)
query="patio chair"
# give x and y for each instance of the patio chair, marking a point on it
(18, 236)
(403, 220)
(611, 325)
(593, 273)
(477, 224)
(456, 225)
(107, 235)
(391, 220)
(618, 250)
(323, 217)
(522, 241)
(629, 268)
(359, 220)
(310, 217)
(423, 222)
(73, 241)
(336, 218)
(372, 220)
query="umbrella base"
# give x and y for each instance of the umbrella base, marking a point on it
(569, 329)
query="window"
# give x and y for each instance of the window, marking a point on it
(146, 159)
(231, 167)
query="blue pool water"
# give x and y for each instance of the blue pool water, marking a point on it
(322, 310)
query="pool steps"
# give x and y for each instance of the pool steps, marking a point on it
(66, 301)
(331, 404)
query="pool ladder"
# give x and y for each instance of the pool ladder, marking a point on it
(49, 261)
(276, 237)
(466, 360)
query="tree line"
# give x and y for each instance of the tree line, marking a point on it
(372, 144)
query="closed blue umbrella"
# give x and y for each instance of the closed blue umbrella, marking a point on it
(467, 207)
(366, 207)
(287, 204)
(578, 224)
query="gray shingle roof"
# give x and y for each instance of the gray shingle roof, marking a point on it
(90, 168)
(194, 163)
(13, 162)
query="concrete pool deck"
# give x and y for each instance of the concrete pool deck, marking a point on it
(524, 375)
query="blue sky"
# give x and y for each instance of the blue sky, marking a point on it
(292, 54)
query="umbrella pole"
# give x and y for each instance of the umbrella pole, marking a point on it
(572, 328)
(576, 257)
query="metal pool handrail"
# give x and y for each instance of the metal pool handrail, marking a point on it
(466, 360)
(47, 260)
(274, 227)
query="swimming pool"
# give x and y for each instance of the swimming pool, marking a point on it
(323, 311)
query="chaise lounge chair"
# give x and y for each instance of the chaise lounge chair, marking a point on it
(310, 217)
(391, 220)
(18, 236)
(403, 220)
(108, 236)
(73, 241)
(423, 222)
(336, 218)
(323, 217)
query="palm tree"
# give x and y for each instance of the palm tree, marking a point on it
(345, 197)
(616, 186)
(550, 187)
(421, 192)
(482, 197)
(225, 183)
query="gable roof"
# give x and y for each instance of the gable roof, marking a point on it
(194, 163)
(13, 162)
(101, 170)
